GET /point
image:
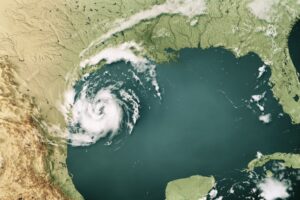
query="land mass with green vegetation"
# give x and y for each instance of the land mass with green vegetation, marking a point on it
(48, 36)
(192, 188)
(286, 159)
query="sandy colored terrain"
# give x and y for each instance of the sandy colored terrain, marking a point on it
(23, 149)
(40, 43)
(44, 38)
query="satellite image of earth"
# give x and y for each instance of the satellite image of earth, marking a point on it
(149, 99)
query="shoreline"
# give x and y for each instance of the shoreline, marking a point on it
(43, 49)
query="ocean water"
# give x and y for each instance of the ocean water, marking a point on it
(205, 124)
(294, 41)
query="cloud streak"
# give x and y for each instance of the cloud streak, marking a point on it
(127, 52)
(188, 8)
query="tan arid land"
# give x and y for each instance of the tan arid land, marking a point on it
(25, 151)
(40, 43)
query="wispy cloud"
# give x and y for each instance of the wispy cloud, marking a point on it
(189, 8)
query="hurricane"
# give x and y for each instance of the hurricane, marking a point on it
(103, 104)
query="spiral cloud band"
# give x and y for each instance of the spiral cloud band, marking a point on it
(102, 104)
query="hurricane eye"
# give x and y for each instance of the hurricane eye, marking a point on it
(101, 110)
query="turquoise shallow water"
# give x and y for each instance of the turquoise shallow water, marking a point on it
(205, 124)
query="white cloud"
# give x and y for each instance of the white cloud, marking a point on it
(134, 101)
(189, 8)
(262, 8)
(258, 97)
(122, 52)
(127, 52)
(213, 193)
(265, 118)
(193, 22)
(272, 189)
(97, 116)
(261, 71)
(259, 155)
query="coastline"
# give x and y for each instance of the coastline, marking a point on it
(43, 50)
(26, 153)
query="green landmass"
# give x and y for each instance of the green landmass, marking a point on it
(48, 36)
(231, 25)
(192, 188)
(287, 160)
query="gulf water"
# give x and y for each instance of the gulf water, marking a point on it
(205, 124)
